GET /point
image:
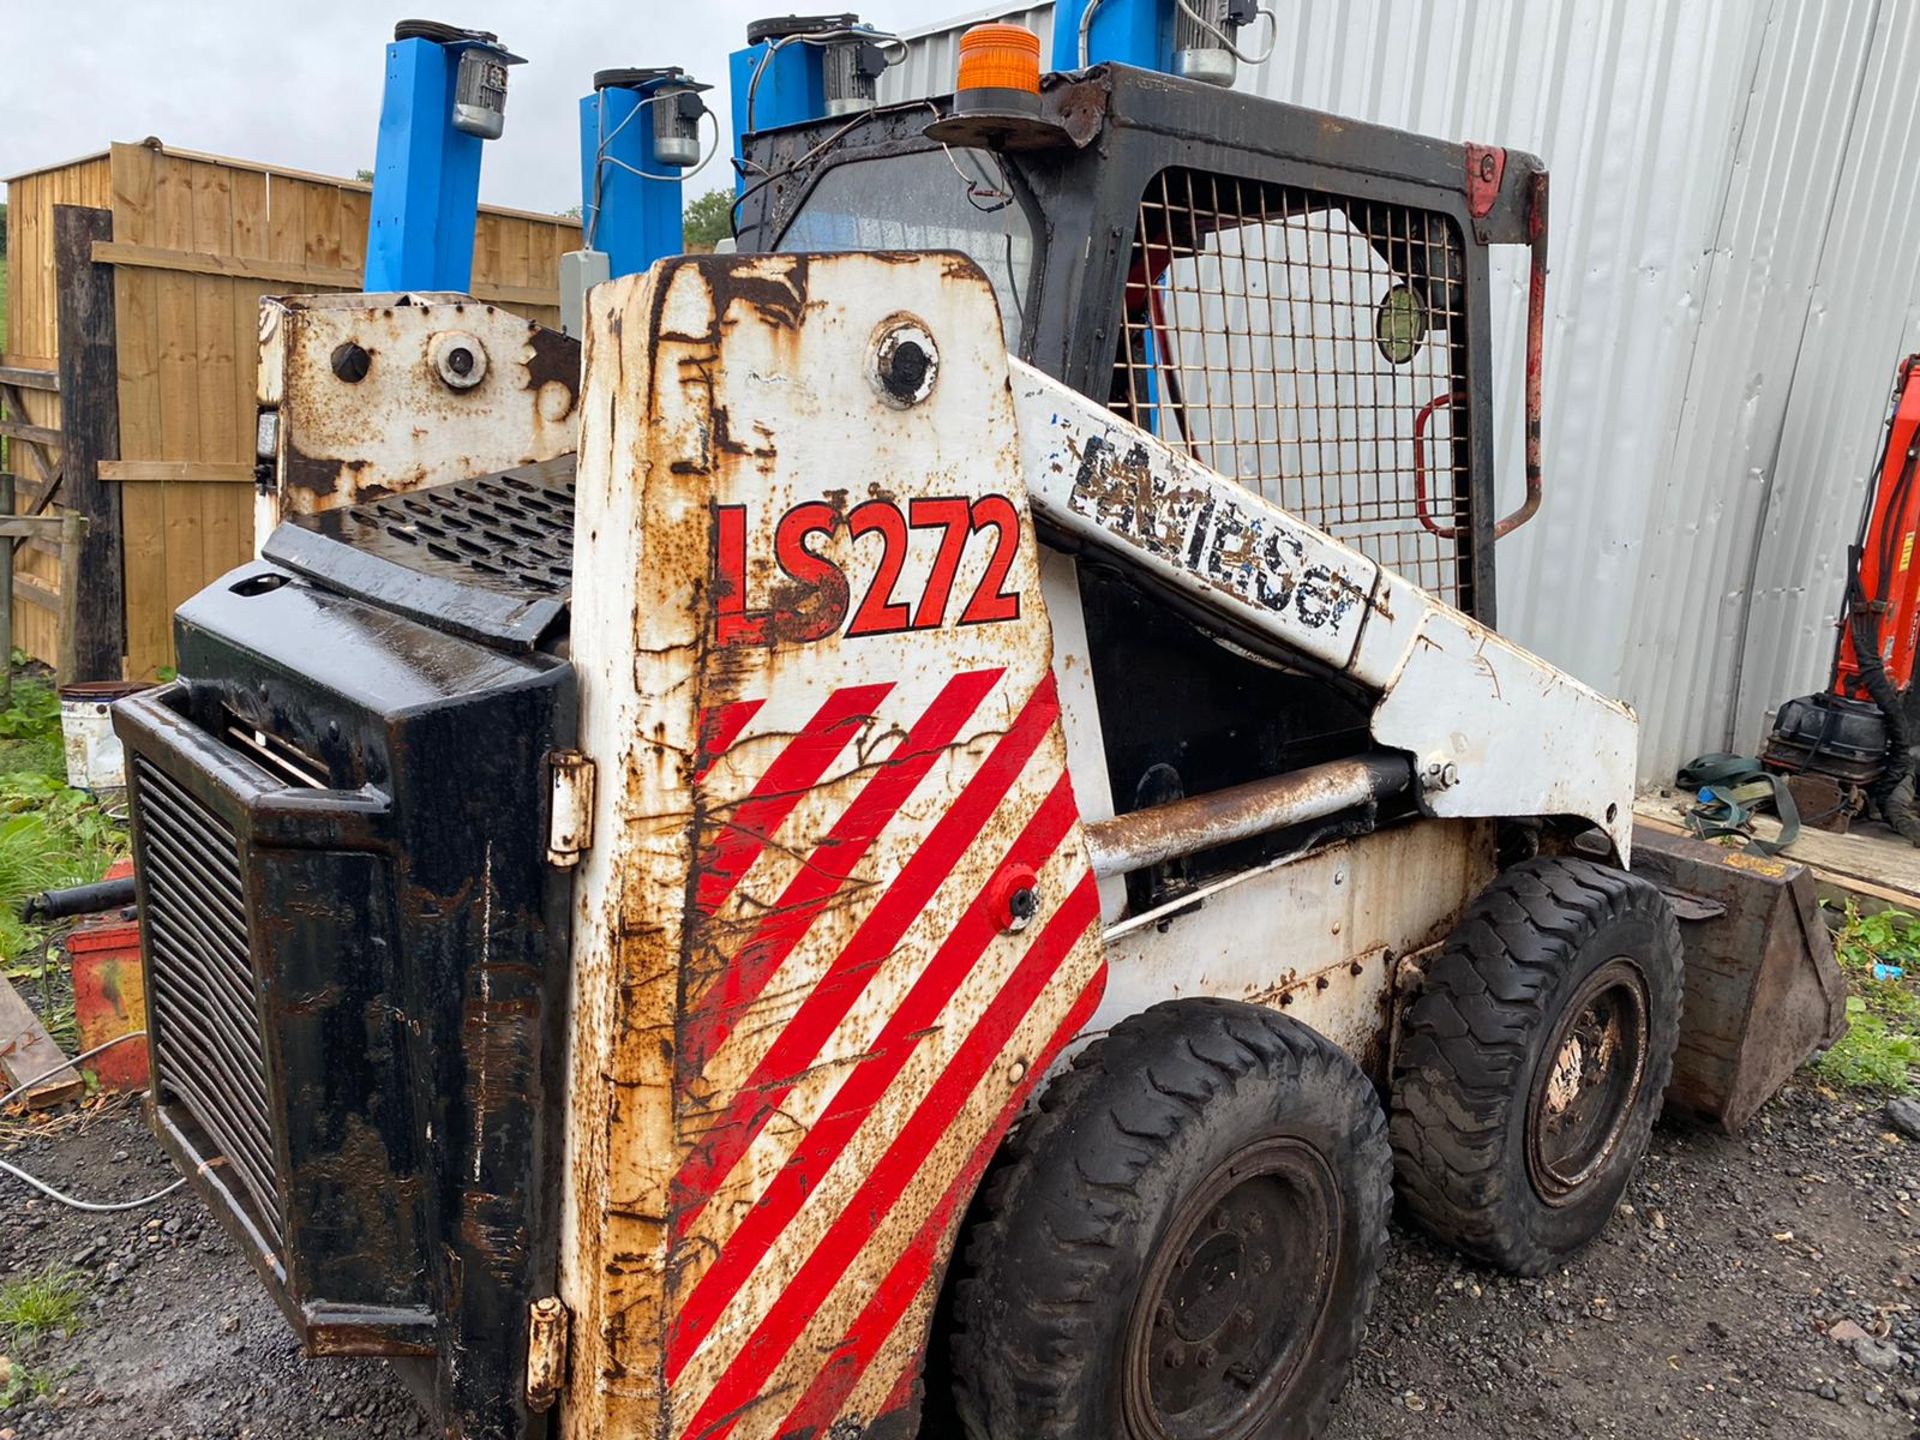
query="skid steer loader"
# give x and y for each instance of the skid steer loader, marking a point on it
(923, 845)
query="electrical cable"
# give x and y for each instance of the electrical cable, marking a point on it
(25, 1085)
(590, 219)
(1226, 41)
(1086, 31)
(92, 1207)
(768, 177)
(886, 40)
(683, 175)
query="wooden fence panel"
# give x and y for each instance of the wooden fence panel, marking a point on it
(197, 241)
(32, 343)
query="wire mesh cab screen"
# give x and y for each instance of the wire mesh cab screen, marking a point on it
(1313, 348)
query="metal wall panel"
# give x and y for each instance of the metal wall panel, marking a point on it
(1863, 313)
(933, 51)
(1731, 287)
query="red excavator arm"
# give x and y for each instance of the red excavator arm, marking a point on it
(1885, 580)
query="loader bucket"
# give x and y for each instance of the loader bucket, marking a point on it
(1763, 990)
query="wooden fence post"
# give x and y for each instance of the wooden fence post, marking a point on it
(6, 592)
(90, 429)
(73, 541)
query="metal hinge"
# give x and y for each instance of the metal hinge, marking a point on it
(546, 1352)
(570, 831)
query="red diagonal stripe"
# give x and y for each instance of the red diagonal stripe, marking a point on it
(827, 1262)
(825, 1397)
(712, 1017)
(719, 728)
(794, 771)
(863, 1087)
(798, 1045)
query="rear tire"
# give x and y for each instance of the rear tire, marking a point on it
(1182, 1243)
(1531, 1067)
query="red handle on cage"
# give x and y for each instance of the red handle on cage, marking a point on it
(1536, 337)
(1445, 532)
(1536, 343)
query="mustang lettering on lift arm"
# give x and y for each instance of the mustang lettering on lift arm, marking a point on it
(1233, 548)
(812, 596)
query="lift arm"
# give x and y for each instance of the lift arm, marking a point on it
(1495, 731)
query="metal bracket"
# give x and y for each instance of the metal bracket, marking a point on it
(570, 828)
(547, 1326)
(1486, 168)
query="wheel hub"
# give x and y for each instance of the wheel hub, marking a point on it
(1234, 1296)
(1590, 1083)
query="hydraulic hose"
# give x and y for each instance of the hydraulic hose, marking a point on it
(1894, 793)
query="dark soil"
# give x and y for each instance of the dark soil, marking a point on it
(1702, 1312)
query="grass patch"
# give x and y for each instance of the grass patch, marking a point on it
(50, 836)
(40, 1305)
(34, 1310)
(1881, 1050)
(20, 1382)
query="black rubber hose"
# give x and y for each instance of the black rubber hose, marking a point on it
(1894, 792)
(80, 900)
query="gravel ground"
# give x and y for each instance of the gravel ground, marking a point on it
(1718, 1305)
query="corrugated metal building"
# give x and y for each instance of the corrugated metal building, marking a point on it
(1735, 275)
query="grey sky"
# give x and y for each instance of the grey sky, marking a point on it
(299, 84)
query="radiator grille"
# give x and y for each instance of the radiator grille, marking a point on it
(201, 989)
(1312, 347)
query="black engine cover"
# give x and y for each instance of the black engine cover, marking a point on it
(1828, 734)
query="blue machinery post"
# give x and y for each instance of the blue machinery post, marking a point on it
(800, 68)
(639, 134)
(445, 96)
(1127, 32)
(776, 84)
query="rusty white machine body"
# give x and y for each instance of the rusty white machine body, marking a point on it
(841, 861)
(941, 692)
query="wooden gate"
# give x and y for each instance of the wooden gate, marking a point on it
(153, 262)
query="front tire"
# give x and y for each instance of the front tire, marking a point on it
(1531, 1067)
(1182, 1243)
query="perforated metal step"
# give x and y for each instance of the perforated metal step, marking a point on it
(489, 557)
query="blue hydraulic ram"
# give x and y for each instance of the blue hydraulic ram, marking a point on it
(446, 94)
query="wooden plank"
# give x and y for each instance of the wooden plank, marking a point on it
(236, 267)
(249, 214)
(89, 381)
(90, 158)
(30, 379)
(220, 414)
(149, 622)
(177, 472)
(286, 221)
(8, 506)
(300, 276)
(27, 1051)
(1873, 866)
(30, 488)
(185, 568)
(30, 526)
(35, 591)
(323, 232)
(33, 434)
(250, 237)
